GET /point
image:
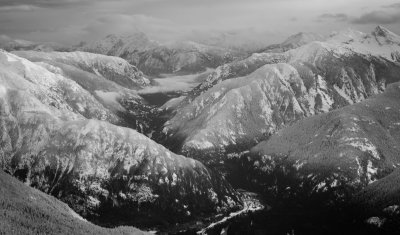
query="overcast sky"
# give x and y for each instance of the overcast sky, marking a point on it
(71, 21)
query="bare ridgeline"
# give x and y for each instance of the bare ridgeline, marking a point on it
(125, 135)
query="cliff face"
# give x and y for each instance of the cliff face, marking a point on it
(105, 172)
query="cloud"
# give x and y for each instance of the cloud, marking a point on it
(71, 21)
(332, 17)
(4, 38)
(18, 8)
(154, 27)
(25, 5)
(391, 6)
(99, 27)
(378, 17)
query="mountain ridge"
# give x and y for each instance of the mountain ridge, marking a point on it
(51, 143)
(329, 76)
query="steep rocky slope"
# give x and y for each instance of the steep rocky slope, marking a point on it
(354, 146)
(344, 43)
(155, 58)
(248, 65)
(235, 108)
(110, 174)
(25, 210)
(333, 173)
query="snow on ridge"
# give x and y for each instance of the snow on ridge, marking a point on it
(375, 43)
(3, 91)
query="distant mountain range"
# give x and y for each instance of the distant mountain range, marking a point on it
(294, 41)
(10, 44)
(154, 58)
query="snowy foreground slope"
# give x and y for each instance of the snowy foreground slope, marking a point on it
(28, 211)
(246, 101)
(53, 138)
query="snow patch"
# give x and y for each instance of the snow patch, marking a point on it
(3, 91)
(110, 98)
(343, 94)
(11, 57)
(199, 144)
(371, 171)
(362, 144)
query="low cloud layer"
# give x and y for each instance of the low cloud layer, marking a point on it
(392, 6)
(334, 17)
(378, 17)
(18, 8)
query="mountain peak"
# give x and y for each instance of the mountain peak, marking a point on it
(348, 33)
(303, 37)
(383, 35)
(381, 31)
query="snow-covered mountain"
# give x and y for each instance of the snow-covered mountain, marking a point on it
(344, 163)
(126, 46)
(381, 42)
(56, 136)
(155, 58)
(185, 57)
(112, 83)
(355, 145)
(294, 41)
(10, 44)
(244, 40)
(244, 102)
(112, 68)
